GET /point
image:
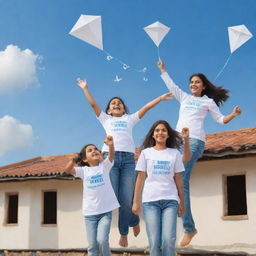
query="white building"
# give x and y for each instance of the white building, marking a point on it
(40, 206)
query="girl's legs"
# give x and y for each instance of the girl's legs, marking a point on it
(123, 177)
(153, 214)
(196, 150)
(103, 234)
(169, 223)
(97, 230)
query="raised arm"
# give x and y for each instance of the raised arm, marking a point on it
(172, 87)
(109, 141)
(179, 185)
(136, 206)
(236, 112)
(186, 153)
(70, 166)
(151, 104)
(84, 86)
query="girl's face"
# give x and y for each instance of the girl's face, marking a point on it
(196, 86)
(92, 155)
(116, 108)
(160, 134)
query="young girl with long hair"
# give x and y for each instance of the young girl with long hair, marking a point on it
(205, 97)
(159, 170)
(98, 195)
(119, 124)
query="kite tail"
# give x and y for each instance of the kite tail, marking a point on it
(223, 67)
(125, 66)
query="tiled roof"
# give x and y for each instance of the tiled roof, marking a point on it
(221, 144)
(230, 143)
(36, 167)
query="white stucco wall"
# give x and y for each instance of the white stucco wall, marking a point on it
(69, 232)
(207, 205)
(207, 202)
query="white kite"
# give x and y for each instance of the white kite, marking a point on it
(157, 31)
(238, 35)
(88, 29)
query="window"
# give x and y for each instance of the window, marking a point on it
(235, 195)
(12, 200)
(50, 207)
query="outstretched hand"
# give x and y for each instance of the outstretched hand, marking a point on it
(166, 96)
(160, 65)
(109, 140)
(236, 111)
(81, 83)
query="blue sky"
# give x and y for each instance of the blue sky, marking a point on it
(43, 112)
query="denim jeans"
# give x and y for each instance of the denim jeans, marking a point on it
(97, 230)
(161, 220)
(196, 150)
(123, 177)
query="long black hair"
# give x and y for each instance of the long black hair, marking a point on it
(79, 160)
(126, 111)
(218, 94)
(173, 141)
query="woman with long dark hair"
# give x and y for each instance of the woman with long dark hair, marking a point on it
(205, 97)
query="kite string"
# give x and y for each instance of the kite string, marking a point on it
(158, 53)
(124, 64)
(223, 67)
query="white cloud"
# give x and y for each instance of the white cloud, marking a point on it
(17, 69)
(14, 135)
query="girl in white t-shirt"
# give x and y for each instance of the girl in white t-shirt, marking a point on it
(99, 199)
(159, 170)
(205, 97)
(119, 124)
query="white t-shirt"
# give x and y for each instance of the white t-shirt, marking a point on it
(98, 194)
(193, 110)
(160, 166)
(121, 130)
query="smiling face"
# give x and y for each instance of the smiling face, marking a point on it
(92, 155)
(196, 86)
(116, 107)
(160, 134)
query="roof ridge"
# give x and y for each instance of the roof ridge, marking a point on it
(21, 163)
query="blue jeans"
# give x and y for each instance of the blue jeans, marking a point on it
(161, 220)
(196, 150)
(97, 230)
(123, 177)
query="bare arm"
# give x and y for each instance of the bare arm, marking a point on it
(70, 167)
(111, 154)
(84, 86)
(186, 153)
(136, 206)
(236, 112)
(151, 104)
(179, 184)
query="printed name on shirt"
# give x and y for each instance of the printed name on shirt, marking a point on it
(119, 126)
(193, 104)
(161, 167)
(95, 181)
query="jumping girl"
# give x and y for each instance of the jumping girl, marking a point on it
(98, 195)
(159, 170)
(119, 124)
(193, 109)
